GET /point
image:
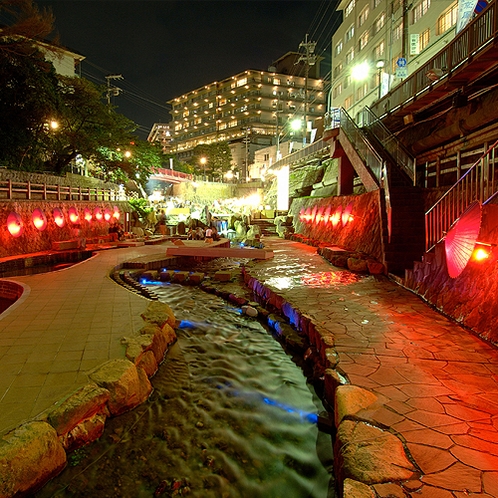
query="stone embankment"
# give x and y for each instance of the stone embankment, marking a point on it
(36, 451)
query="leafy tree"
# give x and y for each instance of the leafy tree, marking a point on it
(218, 158)
(29, 101)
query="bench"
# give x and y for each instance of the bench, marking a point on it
(64, 245)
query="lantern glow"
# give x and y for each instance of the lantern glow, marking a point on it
(14, 225)
(116, 214)
(74, 215)
(88, 215)
(97, 213)
(58, 217)
(107, 215)
(39, 219)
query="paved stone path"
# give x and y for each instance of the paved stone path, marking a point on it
(438, 383)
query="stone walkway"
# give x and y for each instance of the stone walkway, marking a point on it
(437, 383)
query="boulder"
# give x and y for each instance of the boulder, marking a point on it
(349, 400)
(355, 489)
(159, 313)
(128, 385)
(79, 406)
(370, 455)
(30, 455)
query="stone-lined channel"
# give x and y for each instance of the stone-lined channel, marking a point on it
(231, 415)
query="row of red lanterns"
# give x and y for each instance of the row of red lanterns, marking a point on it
(15, 225)
(325, 215)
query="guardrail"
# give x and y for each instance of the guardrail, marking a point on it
(479, 183)
(466, 46)
(309, 150)
(389, 142)
(10, 190)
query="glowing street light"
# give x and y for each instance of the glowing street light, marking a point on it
(203, 161)
(360, 71)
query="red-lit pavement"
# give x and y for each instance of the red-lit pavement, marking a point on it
(438, 383)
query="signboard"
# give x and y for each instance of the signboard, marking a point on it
(401, 72)
(401, 62)
(414, 44)
(465, 12)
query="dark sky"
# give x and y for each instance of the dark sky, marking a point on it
(169, 47)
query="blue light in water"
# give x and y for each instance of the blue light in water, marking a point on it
(144, 281)
(310, 417)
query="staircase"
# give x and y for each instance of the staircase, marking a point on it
(266, 226)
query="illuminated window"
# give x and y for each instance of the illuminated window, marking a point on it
(350, 33)
(276, 81)
(242, 82)
(424, 39)
(223, 101)
(186, 113)
(350, 56)
(379, 22)
(380, 50)
(398, 31)
(364, 40)
(197, 121)
(347, 81)
(223, 126)
(447, 20)
(178, 127)
(420, 10)
(348, 102)
(337, 90)
(363, 16)
(338, 48)
(362, 91)
(338, 69)
(349, 8)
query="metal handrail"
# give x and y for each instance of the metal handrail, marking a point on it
(479, 183)
(389, 142)
(362, 146)
(294, 157)
(466, 45)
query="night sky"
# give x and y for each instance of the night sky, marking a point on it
(166, 48)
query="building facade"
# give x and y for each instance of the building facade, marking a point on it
(381, 42)
(252, 108)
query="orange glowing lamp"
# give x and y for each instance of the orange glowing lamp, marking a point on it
(39, 219)
(481, 252)
(98, 214)
(88, 215)
(74, 216)
(58, 217)
(116, 214)
(14, 225)
(107, 215)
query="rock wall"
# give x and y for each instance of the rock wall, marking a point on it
(33, 240)
(361, 233)
(472, 297)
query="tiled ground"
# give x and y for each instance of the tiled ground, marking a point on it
(437, 381)
(65, 324)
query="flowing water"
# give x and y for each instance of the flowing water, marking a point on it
(231, 416)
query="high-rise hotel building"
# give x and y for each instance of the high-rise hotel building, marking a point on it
(248, 109)
(381, 42)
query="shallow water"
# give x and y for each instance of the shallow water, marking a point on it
(231, 416)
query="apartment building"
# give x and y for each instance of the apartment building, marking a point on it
(381, 42)
(248, 110)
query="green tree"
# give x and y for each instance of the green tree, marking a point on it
(218, 158)
(29, 101)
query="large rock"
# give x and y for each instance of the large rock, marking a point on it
(349, 400)
(78, 406)
(355, 489)
(159, 313)
(370, 455)
(29, 456)
(128, 385)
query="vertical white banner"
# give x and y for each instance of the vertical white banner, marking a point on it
(283, 189)
(465, 12)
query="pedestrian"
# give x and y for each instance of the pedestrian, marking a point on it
(209, 235)
(162, 222)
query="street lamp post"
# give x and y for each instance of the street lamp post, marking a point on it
(203, 161)
(380, 67)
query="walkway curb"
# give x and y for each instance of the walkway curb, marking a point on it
(33, 453)
(365, 454)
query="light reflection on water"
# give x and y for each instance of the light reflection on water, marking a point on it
(315, 280)
(231, 416)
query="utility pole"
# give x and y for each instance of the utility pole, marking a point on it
(112, 90)
(309, 59)
(246, 142)
(278, 155)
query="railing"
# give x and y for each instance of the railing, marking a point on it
(389, 142)
(172, 174)
(361, 145)
(479, 183)
(309, 150)
(29, 191)
(478, 35)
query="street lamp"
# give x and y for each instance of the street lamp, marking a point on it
(203, 161)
